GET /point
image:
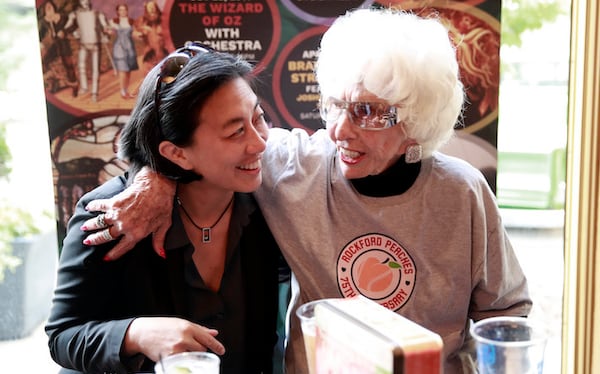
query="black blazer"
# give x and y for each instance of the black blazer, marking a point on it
(95, 301)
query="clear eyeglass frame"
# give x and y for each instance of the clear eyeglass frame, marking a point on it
(366, 115)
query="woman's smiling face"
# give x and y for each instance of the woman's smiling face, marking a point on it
(364, 152)
(227, 146)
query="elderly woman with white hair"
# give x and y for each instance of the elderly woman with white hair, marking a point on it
(368, 206)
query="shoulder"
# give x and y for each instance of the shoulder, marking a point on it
(458, 189)
(106, 190)
(298, 141)
(250, 217)
(294, 154)
(73, 250)
(456, 168)
(456, 177)
(248, 213)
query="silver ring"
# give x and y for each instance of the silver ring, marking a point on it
(106, 235)
(100, 221)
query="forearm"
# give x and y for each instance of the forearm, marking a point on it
(93, 347)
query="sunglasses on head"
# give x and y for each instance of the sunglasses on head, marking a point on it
(366, 115)
(172, 66)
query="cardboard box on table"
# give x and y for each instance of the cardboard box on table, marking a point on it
(357, 335)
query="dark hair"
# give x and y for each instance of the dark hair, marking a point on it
(179, 106)
(120, 5)
(51, 2)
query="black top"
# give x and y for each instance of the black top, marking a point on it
(95, 301)
(395, 180)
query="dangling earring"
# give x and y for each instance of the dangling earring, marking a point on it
(414, 153)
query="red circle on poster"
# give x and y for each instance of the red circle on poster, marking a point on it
(295, 88)
(250, 29)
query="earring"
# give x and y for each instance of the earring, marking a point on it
(413, 154)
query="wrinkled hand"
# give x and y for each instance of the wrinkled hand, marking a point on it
(157, 337)
(141, 209)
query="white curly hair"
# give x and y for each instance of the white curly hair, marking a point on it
(407, 60)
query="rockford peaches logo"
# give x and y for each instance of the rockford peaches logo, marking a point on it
(376, 267)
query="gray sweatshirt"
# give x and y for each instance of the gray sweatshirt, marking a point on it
(437, 254)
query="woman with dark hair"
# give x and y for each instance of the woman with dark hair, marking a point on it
(198, 122)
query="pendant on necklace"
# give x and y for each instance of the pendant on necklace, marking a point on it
(206, 231)
(206, 235)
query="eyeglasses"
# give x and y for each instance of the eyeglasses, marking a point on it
(368, 116)
(172, 66)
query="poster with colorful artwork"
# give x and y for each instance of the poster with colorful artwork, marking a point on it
(96, 53)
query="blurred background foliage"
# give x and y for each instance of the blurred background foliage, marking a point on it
(17, 17)
(519, 16)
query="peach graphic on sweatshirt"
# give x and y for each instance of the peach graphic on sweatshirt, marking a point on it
(374, 275)
(378, 267)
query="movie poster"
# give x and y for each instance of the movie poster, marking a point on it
(96, 53)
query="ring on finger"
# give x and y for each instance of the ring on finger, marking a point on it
(106, 235)
(100, 221)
